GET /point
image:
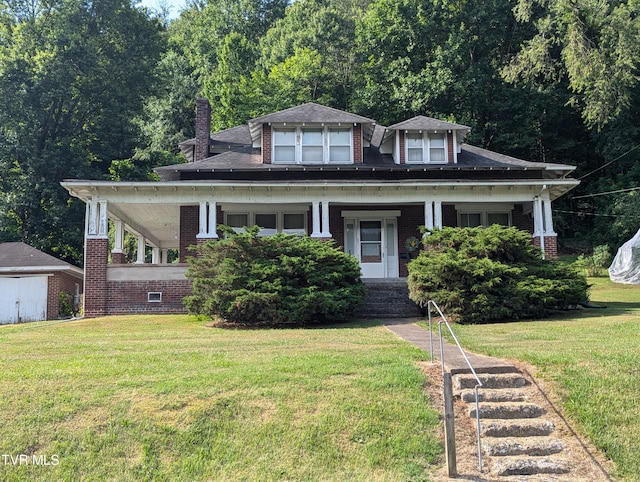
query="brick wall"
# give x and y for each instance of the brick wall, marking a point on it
(266, 144)
(450, 148)
(126, 297)
(189, 227)
(449, 216)
(60, 282)
(521, 220)
(357, 144)
(95, 266)
(203, 128)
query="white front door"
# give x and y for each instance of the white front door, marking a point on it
(374, 243)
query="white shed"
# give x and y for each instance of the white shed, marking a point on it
(31, 283)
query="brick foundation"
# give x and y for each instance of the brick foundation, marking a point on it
(131, 297)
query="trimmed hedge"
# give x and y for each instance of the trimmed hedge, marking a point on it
(274, 280)
(481, 275)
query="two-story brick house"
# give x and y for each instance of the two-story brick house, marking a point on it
(308, 170)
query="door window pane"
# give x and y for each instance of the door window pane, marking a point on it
(390, 239)
(350, 237)
(371, 241)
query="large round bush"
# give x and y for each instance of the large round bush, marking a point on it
(281, 279)
(480, 275)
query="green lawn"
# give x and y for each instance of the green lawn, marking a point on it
(165, 398)
(592, 358)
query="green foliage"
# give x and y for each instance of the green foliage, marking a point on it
(66, 307)
(479, 275)
(274, 280)
(596, 264)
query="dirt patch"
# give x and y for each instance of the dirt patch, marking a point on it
(586, 463)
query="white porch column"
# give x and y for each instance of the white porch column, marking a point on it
(118, 241)
(315, 218)
(428, 215)
(538, 222)
(437, 214)
(213, 220)
(141, 250)
(155, 255)
(325, 220)
(92, 221)
(165, 256)
(207, 220)
(548, 218)
(202, 218)
(103, 224)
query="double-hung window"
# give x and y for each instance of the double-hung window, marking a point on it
(425, 148)
(312, 145)
(284, 145)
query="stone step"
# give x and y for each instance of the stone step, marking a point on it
(504, 395)
(516, 428)
(507, 410)
(533, 446)
(506, 466)
(491, 381)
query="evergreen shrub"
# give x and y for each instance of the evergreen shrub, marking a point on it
(482, 275)
(273, 280)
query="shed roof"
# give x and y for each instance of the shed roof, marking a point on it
(18, 256)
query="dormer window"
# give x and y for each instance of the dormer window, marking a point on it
(312, 145)
(425, 147)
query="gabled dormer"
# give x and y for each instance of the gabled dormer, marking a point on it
(311, 134)
(424, 140)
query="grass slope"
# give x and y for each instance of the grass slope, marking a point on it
(593, 359)
(164, 398)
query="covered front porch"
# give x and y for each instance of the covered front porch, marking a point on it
(378, 222)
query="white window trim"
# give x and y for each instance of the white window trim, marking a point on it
(251, 220)
(483, 215)
(426, 147)
(326, 143)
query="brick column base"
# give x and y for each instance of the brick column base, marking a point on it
(550, 246)
(95, 273)
(118, 258)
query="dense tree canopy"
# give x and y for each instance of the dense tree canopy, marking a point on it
(106, 89)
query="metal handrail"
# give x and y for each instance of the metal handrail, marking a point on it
(443, 320)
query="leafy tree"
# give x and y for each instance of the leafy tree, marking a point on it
(480, 275)
(272, 280)
(73, 76)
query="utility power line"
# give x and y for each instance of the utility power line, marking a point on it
(611, 162)
(605, 193)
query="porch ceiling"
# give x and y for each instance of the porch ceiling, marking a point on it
(158, 223)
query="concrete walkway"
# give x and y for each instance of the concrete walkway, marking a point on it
(454, 362)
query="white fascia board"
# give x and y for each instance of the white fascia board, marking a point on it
(41, 270)
(185, 192)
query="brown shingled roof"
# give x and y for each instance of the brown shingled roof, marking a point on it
(21, 255)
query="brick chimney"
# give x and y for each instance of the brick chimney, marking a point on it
(203, 128)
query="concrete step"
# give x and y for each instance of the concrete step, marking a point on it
(507, 410)
(532, 446)
(516, 428)
(388, 298)
(506, 466)
(490, 381)
(504, 395)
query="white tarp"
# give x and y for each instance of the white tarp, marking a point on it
(626, 265)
